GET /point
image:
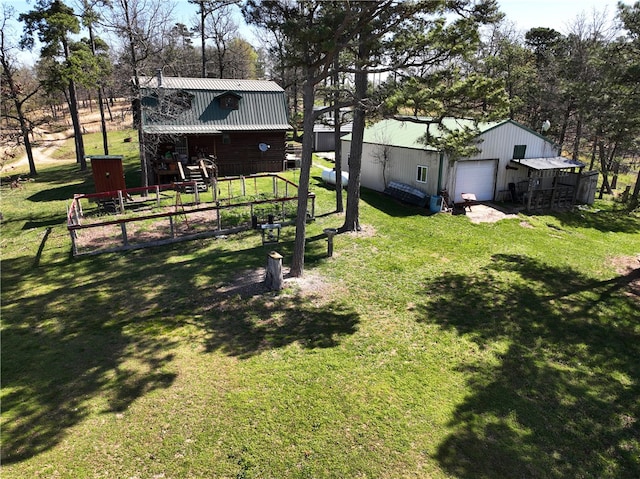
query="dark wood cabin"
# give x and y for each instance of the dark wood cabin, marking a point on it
(240, 125)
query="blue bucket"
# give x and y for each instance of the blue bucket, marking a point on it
(434, 204)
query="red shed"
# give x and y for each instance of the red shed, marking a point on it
(108, 173)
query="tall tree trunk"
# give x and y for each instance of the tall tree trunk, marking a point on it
(594, 154)
(296, 106)
(297, 262)
(576, 142)
(136, 100)
(614, 165)
(77, 128)
(633, 203)
(24, 127)
(352, 214)
(565, 125)
(105, 96)
(203, 40)
(75, 115)
(27, 143)
(336, 134)
(605, 171)
(103, 124)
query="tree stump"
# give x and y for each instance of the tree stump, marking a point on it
(273, 279)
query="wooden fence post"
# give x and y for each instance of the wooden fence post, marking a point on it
(125, 240)
(74, 246)
(76, 214)
(79, 205)
(330, 232)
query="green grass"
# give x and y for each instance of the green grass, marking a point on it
(427, 346)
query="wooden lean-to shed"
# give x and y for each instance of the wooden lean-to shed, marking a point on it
(108, 173)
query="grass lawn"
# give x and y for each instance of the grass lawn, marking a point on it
(427, 346)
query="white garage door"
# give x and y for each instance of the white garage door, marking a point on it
(477, 177)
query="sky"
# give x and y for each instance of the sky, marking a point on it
(556, 14)
(525, 14)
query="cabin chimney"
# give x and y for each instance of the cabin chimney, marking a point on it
(159, 75)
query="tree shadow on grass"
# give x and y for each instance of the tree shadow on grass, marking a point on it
(63, 343)
(244, 327)
(63, 347)
(560, 399)
(608, 220)
(43, 223)
(391, 206)
(60, 189)
(99, 332)
(241, 318)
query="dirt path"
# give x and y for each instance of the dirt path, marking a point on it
(51, 142)
(48, 142)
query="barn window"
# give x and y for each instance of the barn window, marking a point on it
(519, 152)
(422, 174)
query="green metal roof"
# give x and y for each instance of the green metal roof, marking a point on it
(405, 132)
(216, 84)
(192, 106)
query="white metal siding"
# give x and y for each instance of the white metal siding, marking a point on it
(499, 143)
(496, 148)
(402, 166)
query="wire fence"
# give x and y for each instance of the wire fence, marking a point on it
(163, 214)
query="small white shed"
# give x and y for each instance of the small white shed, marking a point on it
(324, 136)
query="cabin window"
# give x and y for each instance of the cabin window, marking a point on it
(519, 152)
(422, 174)
(226, 139)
